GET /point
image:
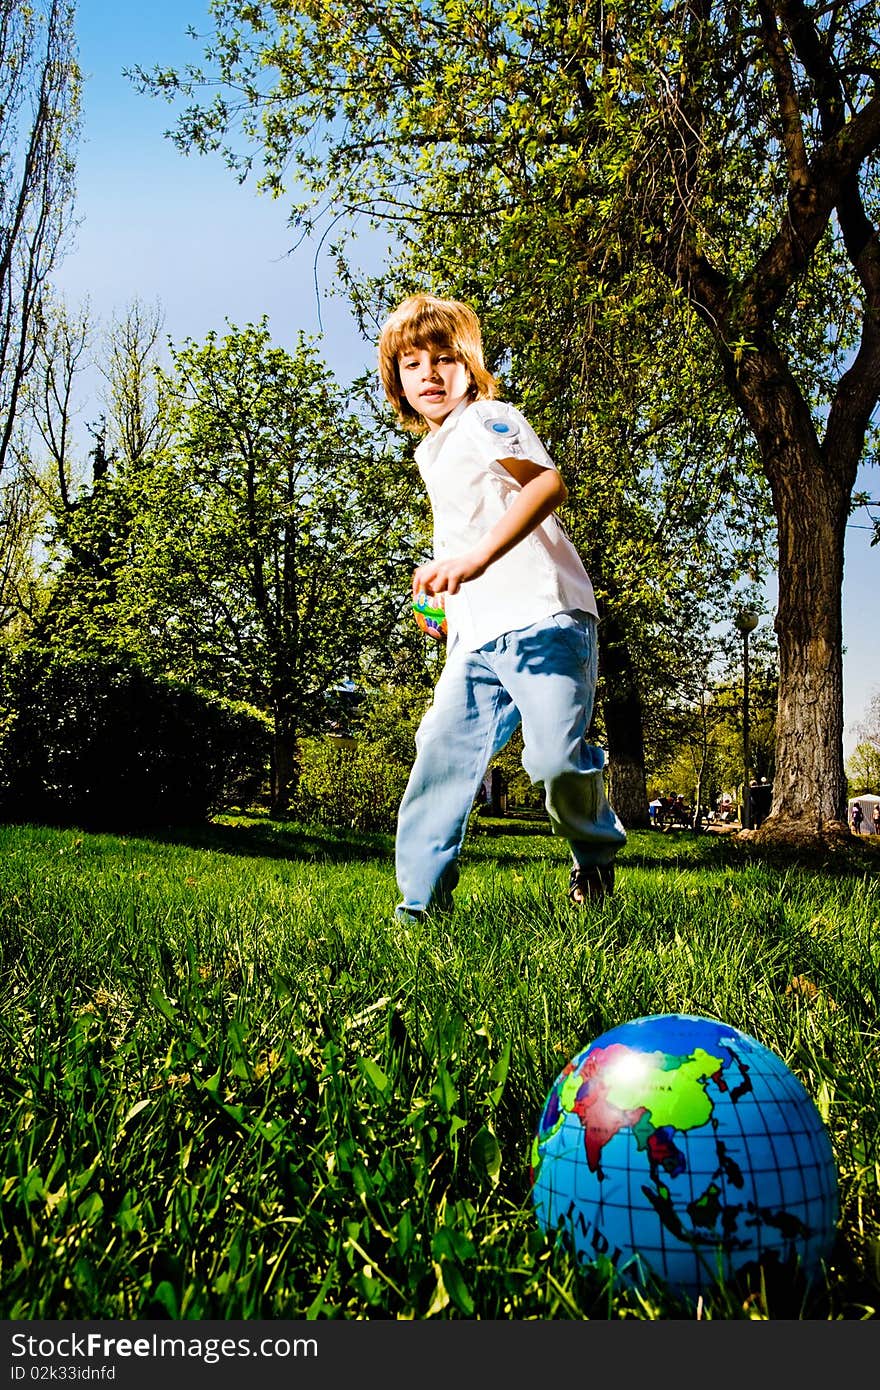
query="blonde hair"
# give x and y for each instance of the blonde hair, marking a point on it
(425, 321)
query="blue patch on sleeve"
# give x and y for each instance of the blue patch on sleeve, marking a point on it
(501, 428)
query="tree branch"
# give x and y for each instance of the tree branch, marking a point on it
(809, 208)
(786, 93)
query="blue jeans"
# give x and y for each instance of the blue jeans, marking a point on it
(544, 676)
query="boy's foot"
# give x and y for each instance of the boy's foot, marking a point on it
(590, 884)
(410, 916)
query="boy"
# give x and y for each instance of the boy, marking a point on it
(520, 613)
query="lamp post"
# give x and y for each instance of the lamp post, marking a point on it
(745, 620)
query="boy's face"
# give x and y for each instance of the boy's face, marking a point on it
(434, 381)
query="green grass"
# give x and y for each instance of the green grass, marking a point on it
(235, 1087)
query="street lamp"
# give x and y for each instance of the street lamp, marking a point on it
(745, 620)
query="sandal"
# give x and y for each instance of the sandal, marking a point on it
(591, 883)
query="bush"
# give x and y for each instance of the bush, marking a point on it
(354, 786)
(102, 744)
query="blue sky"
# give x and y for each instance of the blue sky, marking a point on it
(161, 227)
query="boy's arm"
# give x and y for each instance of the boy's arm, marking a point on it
(542, 492)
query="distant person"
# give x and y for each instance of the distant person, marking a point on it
(760, 801)
(520, 611)
(856, 818)
(875, 819)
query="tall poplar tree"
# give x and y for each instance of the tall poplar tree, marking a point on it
(39, 117)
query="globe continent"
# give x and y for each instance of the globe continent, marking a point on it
(679, 1147)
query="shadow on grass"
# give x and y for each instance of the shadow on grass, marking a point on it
(686, 850)
(252, 834)
(496, 826)
(260, 838)
(836, 857)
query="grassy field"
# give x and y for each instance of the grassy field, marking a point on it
(235, 1087)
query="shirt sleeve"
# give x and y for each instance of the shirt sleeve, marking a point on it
(501, 431)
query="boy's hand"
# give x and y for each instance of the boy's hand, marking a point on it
(447, 576)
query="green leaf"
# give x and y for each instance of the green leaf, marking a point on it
(135, 1109)
(486, 1154)
(444, 1092)
(455, 1286)
(373, 1073)
(164, 1004)
(164, 1294)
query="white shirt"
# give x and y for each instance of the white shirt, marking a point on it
(469, 491)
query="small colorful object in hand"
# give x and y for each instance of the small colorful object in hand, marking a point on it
(430, 616)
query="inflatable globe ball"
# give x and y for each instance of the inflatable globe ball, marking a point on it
(431, 618)
(680, 1149)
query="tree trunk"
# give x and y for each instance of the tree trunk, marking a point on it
(809, 789)
(284, 772)
(622, 710)
(704, 757)
(811, 494)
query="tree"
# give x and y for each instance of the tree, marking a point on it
(134, 391)
(662, 508)
(294, 525)
(244, 527)
(39, 108)
(863, 767)
(88, 518)
(88, 603)
(729, 149)
(39, 113)
(697, 746)
(41, 463)
(23, 512)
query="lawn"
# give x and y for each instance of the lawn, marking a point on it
(235, 1087)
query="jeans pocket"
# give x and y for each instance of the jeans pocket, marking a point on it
(575, 633)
